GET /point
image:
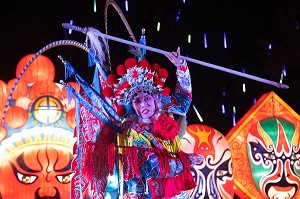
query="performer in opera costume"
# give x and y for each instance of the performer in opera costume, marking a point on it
(149, 160)
(151, 135)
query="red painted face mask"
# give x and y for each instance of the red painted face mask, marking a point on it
(37, 171)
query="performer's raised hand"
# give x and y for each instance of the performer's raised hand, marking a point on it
(174, 57)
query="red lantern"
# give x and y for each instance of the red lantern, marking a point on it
(41, 68)
(70, 117)
(44, 87)
(16, 117)
(3, 133)
(3, 93)
(20, 90)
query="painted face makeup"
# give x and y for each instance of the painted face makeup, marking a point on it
(144, 105)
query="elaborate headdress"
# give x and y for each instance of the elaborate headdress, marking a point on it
(135, 76)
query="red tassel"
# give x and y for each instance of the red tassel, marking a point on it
(111, 158)
(130, 162)
(170, 187)
(98, 160)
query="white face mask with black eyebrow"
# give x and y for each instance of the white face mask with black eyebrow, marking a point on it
(144, 105)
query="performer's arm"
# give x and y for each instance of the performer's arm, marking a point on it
(183, 85)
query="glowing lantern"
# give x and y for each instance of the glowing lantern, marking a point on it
(16, 117)
(3, 93)
(41, 68)
(3, 133)
(20, 90)
(70, 117)
(215, 173)
(23, 102)
(44, 87)
(75, 85)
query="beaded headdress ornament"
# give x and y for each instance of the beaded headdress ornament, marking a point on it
(136, 76)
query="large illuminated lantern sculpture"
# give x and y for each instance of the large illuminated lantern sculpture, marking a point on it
(36, 135)
(214, 176)
(265, 149)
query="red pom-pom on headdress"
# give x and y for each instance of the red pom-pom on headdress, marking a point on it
(135, 74)
(121, 70)
(155, 67)
(163, 73)
(126, 84)
(144, 64)
(130, 62)
(157, 81)
(111, 79)
(166, 91)
(120, 110)
(108, 92)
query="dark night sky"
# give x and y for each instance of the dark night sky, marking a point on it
(28, 26)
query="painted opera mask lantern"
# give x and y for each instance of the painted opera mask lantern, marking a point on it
(214, 176)
(274, 157)
(36, 165)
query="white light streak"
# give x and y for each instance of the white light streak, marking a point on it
(198, 114)
(126, 5)
(95, 5)
(234, 109)
(233, 120)
(270, 46)
(178, 15)
(158, 26)
(205, 41)
(225, 41)
(189, 39)
(70, 30)
(284, 71)
(233, 116)
(223, 108)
